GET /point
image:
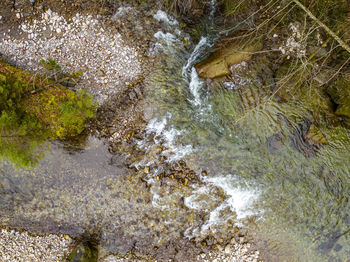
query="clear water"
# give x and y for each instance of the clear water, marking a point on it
(297, 207)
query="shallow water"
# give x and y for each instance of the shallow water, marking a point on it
(295, 203)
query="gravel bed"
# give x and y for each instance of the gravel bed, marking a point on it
(80, 44)
(17, 247)
(233, 252)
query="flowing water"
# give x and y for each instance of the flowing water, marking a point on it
(295, 205)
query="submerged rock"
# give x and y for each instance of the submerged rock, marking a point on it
(275, 142)
(229, 52)
(84, 252)
(315, 137)
(308, 139)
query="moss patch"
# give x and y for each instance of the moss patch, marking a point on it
(33, 109)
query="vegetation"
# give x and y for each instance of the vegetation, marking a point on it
(307, 44)
(36, 108)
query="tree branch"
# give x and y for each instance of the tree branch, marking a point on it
(328, 30)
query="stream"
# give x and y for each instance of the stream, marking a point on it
(295, 207)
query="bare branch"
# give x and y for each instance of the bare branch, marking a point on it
(328, 30)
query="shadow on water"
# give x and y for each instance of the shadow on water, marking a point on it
(91, 193)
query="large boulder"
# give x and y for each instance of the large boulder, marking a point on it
(228, 52)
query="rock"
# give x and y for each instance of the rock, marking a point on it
(228, 249)
(147, 169)
(340, 94)
(228, 53)
(233, 241)
(315, 137)
(186, 181)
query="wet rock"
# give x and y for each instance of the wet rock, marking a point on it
(229, 52)
(84, 252)
(185, 181)
(315, 137)
(308, 139)
(191, 9)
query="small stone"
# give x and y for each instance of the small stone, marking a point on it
(147, 169)
(100, 73)
(58, 30)
(218, 247)
(228, 249)
(18, 15)
(186, 181)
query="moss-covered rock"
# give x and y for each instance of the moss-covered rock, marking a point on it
(61, 110)
(340, 93)
(84, 252)
(34, 108)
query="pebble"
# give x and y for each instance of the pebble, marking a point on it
(24, 247)
(84, 46)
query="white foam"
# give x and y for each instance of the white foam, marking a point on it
(169, 134)
(194, 201)
(161, 16)
(239, 203)
(156, 126)
(123, 10)
(196, 85)
(158, 201)
(212, 8)
(240, 199)
(203, 42)
(167, 38)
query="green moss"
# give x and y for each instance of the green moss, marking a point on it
(33, 109)
(60, 110)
